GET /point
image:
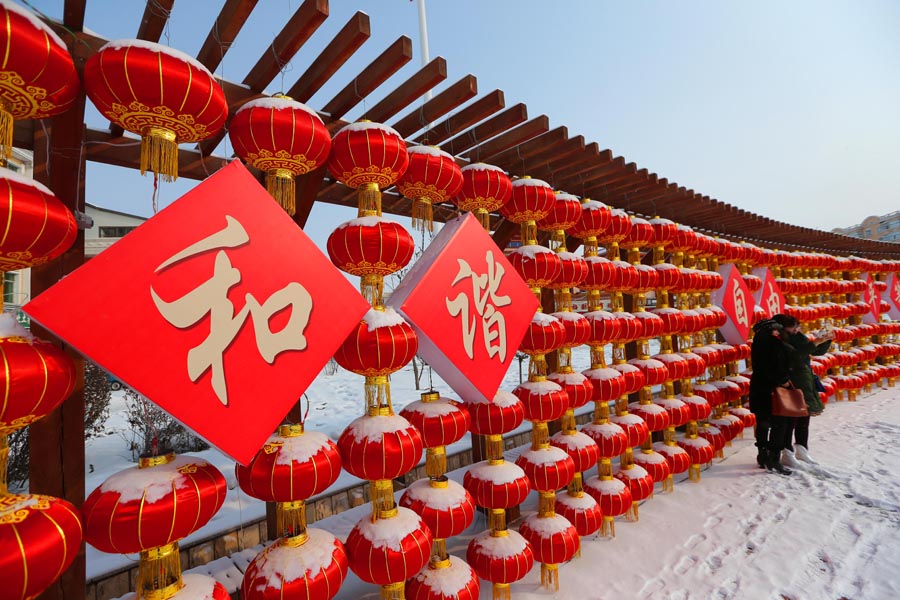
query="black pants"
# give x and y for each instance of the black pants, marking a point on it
(771, 433)
(798, 429)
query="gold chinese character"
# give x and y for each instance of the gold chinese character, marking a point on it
(741, 315)
(211, 298)
(486, 302)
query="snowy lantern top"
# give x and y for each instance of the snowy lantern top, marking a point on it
(387, 551)
(496, 417)
(500, 558)
(445, 506)
(440, 421)
(160, 501)
(431, 178)
(497, 486)
(485, 189)
(380, 447)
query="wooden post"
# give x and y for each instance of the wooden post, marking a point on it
(57, 441)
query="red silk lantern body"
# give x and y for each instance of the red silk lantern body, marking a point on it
(370, 246)
(548, 469)
(679, 413)
(312, 571)
(577, 386)
(447, 510)
(162, 94)
(698, 406)
(638, 481)
(618, 229)
(565, 212)
(40, 537)
(583, 512)
(141, 508)
(634, 427)
(380, 447)
(531, 200)
(699, 449)
(367, 153)
(390, 550)
(290, 468)
(655, 372)
(497, 486)
(485, 189)
(605, 327)
(608, 383)
(580, 447)
(456, 581)
(553, 538)
(656, 417)
(573, 271)
(383, 343)
(601, 273)
(539, 266)
(440, 422)
(594, 220)
(679, 460)
(37, 74)
(676, 365)
(577, 328)
(656, 465)
(39, 228)
(545, 334)
(502, 415)
(641, 234)
(542, 400)
(634, 377)
(610, 438)
(37, 378)
(431, 178)
(613, 495)
(500, 557)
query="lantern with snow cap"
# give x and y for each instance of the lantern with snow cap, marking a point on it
(432, 177)
(565, 213)
(485, 189)
(37, 75)
(501, 557)
(39, 228)
(163, 95)
(147, 509)
(441, 422)
(554, 541)
(595, 219)
(531, 201)
(282, 137)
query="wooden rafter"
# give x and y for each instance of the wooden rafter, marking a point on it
(409, 91)
(153, 23)
(454, 96)
(510, 138)
(218, 41)
(487, 129)
(471, 114)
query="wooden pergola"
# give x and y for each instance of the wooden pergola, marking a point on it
(468, 125)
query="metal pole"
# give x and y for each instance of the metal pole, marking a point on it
(423, 39)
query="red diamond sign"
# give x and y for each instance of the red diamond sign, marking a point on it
(219, 309)
(469, 307)
(736, 300)
(769, 295)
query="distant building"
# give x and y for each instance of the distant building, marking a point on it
(109, 227)
(885, 228)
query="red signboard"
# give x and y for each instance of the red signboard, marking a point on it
(769, 296)
(873, 299)
(469, 307)
(736, 300)
(892, 296)
(219, 309)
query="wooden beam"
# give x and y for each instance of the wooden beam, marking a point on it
(504, 232)
(409, 91)
(305, 21)
(347, 41)
(512, 137)
(456, 95)
(494, 126)
(582, 173)
(306, 188)
(473, 113)
(156, 15)
(73, 15)
(218, 41)
(380, 70)
(592, 160)
(519, 154)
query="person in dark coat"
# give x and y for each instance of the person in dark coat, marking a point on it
(769, 357)
(800, 348)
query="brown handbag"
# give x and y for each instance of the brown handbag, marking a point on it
(789, 402)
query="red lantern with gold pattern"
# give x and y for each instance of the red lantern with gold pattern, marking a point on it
(440, 421)
(37, 75)
(638, 480)
(572, 273)
(594, 220)
(382, 343)
(497, 486)
(679, 413)
(542, 400)
(500, 416)
(368, 157)
(283, 138)
(676, 365)
(608, 383)
(292, 465)
(601, 273)
(677, 457)
(610, 438)
(634, 427)
(619, 227)
(565, 212)
(554, 541)
(664, 232)
(38, 227)
(580, 447)
(380, 447)
(444, 505)
(548, 469)
(655, 372)
(672, 320)
(485, 189)
(164, 95)
(314, 570)
(531, 200)
(370, 246)
(606, 327)
(577, 328)
(160, 501)
(613, 496)
(432, 177)
(634, 377)
(656, 417)
(501, 557)
(384, 551)
(37, 378)
(641, 234)
(539, 266)
(581, 510)
(545, 334)
(40, 537)
(577, 386)
(656, 465)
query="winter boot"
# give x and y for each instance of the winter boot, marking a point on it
(774, 464)
(788, 459)
(762, 457)
(803, 454)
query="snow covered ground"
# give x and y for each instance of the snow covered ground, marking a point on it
(830, 531)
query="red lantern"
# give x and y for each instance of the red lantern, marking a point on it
(638, 481)
(39, 228)
(710, 393)
(504, 414)
(668, 276)
(386, 551)
(664, 232)
(619, 227)
(537, 265)
(573, 271)
(605, 327)
(656, 465)
(380, 447)
(485, 189)
(369, 157)
(601, 273)
(595, 219)
(580, 447)
(431, 178)
(679, 413)
(40, 537)
(672, 319)
(577, 386)
(37, 378)
(311, 571)
(651, 325)
(164, 95)
(577, 328)
(656, 417)
(634, 377)
(608, 384)
(542, 400)
(282, 137)
(564, 213)
(678, 459)
(548, 469)
(631, 328)
(634, 427)
(444, 505)
(383, 343)
(291, 466)
(581, 510)
(699, 407)
(500, 557)
(440, 421)
(497, 486)
(531, 200)
(714, 436)
(610, 438)
(545, 334)
(640, 236)
(455, 580)
(553, 539)
(676, 365)
(37, 75)
(613, 496)
(160, 501)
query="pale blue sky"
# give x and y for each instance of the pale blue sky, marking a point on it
(788, 109)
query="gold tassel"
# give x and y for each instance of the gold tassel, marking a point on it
(290, 520)
(393, 591)
(694, 472)
(591, 248)
(382, 492)
(369, 199)
(435, 461)
(372, 289)
(494, 448)
(378, 396)
(529, 233)
(439, 557)
(604, 469)
(484, 217)
(4, 459)
(632, 514)
(540, 435)
(159, 153)
(501, 591)
(497, 519)
(608, 527)
(576, 487)
(546, 504)
(280, 184)
(550, 576)
(422, 215)
(7, 123)
(159, 573)
(668, 485)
